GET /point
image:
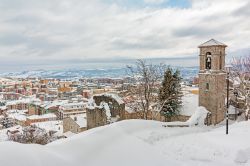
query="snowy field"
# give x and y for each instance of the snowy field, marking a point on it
(138, 143)
(190, 100)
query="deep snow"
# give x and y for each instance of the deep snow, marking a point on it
(137, 142)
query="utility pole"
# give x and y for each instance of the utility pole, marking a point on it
(227, 102)
(227, 68)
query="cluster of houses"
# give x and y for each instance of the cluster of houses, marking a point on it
(76, 106)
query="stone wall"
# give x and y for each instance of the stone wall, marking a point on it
(96, 117)
(156, 116)
(116, 108)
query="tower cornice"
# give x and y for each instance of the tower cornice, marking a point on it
(211, 43)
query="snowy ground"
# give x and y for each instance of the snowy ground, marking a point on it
(3, 133)
(51, 126)
(189, 101)
(56, 126)
(137, 142)
(189, 104)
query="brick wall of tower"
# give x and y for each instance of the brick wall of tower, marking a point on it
(213, 99)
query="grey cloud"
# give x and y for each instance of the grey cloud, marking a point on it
(33, 44)
(243, 10)
(148, 42)
(23, 19)
(82, 29)
(197, 31)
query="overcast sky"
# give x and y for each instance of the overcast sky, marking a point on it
(66, 32)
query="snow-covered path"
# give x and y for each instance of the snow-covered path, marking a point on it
(137, 142)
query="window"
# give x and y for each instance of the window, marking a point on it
(220, 60)
(207, 86)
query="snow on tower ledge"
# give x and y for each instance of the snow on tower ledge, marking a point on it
(212, 42)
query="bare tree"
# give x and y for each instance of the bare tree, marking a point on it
(241, 77)
(147, 77)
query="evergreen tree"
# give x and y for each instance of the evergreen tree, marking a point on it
(170, 93)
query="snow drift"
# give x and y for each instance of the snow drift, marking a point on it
(137, 142)
(197, 119)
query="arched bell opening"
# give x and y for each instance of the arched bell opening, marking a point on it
(208, 60)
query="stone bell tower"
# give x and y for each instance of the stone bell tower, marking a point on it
(212, 79)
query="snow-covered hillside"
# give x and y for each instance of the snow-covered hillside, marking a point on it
(186, 72)
(137, 142)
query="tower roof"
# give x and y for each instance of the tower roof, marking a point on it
(212, 42)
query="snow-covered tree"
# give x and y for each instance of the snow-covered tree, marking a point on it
(32, 135)
(170, 93)
(7, 122)
(241, 78)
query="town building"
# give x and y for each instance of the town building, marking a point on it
(68, 109)
(75, 123)
(40, 118)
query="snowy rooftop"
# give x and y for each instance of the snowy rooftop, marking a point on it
(212, 42)
(51, 115)
(24, 101)
(80, 119)
(55, 103)
(69, 106)
(17, 111)
(3, 107)
(51, 126)
(19, 117)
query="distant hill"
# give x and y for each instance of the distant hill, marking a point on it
(186, 72)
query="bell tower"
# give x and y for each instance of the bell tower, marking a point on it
(212, 79)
